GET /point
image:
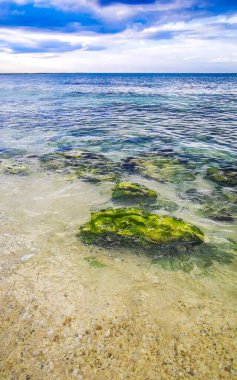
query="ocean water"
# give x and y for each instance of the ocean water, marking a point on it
(75, 311)
(120, 114)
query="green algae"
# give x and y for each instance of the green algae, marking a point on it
(134, 227)
(194, 196)
(53, 161)
(166, 204)
(94, 263)
(201, 257)
(220, 206)
(128, 191)
(160, 168)
(217, 211)
(91, 167)
(222, 177)
(134, 193)
(16, 170)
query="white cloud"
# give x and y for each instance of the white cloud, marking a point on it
(207, 44)
(127, 51)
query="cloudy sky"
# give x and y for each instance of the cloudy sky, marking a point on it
(118, 36)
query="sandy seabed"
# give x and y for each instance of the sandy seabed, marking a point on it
(61, 318)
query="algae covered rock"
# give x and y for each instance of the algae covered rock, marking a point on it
(159, 167)
(136, 228)
(195, 196)
(220, 212)
(53, 161)
(91, 167)
(223, 176)
(14, 169)
(220, 205)
(97, 168)
(166, 204)
(133, 192)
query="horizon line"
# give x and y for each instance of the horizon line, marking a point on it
(119, 73)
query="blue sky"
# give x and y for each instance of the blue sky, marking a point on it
(118, 36)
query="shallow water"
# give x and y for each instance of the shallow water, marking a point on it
(71, 311)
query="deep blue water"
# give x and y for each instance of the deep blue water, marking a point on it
(120, 114)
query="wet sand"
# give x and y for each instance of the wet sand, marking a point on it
(63, 318)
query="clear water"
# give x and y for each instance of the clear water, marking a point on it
(70, 311)
(120, 114)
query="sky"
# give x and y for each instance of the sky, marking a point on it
(118, 36)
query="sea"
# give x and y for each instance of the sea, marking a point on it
(69, 310)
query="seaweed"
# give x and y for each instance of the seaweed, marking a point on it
(203, 257)
(134, 227)
(94, 263)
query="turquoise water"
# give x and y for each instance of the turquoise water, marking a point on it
(120, 115)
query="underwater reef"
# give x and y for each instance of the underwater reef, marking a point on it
(134, 227)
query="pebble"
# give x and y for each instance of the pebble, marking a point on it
(50, 332)
(75, 372)
(27, 257)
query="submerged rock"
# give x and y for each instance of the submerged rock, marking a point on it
(195, 196)
(166, 204)
(128, 191)
(160, 168)
(97, 168)
(217, 211)
(220, 206)
(229, 195)
(92, 167)
(16, 170)
(53, 161)
(136, 228)
(223, 176)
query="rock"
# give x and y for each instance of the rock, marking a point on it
(166, 204)
(221, 205)
(217, 211)
(160, 168)
(127, 191)
(134, 227)
(91, 167)
(16, 170)
(53, 161)
(227, 195)
(223, 176)
(129, 164)
(195, 196)
(27, 257)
